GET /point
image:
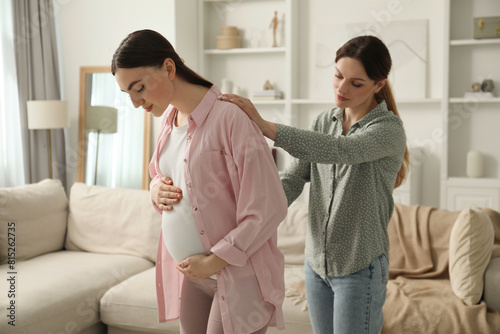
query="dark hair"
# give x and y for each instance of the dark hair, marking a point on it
(148, 48)
(376, 60)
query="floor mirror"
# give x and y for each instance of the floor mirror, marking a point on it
(114, 137)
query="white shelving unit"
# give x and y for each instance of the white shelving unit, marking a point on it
(249, 66)
(256, 61)
(469, 123)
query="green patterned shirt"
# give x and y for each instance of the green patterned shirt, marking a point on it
(351, 182)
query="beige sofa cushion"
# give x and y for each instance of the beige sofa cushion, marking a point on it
(36, 215)
(112, 221)
(131, 305)
(292, 233)
(60, 292)
(471, 244)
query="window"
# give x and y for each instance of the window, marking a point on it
(11, 152)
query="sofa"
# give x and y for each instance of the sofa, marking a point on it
(86, 265)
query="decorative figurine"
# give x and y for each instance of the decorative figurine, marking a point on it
(274, 26)
(475, 87)
(487, 85)
(268, 92)
(475, 164)
(267, 85)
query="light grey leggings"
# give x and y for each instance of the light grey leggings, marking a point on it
(200, 310)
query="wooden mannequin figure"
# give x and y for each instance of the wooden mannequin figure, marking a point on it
(274, 26)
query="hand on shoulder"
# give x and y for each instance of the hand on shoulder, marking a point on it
(269, 129)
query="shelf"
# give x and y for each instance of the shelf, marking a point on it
(244, 51)
(473, 42)
(313, 101)
(469, 100)
(419, 101)
(473, 182)
(215, 1)
(263, 102)
(402, 101)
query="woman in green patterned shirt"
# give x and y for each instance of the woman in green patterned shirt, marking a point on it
(354, 155)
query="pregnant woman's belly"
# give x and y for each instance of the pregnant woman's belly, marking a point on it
(180, 234)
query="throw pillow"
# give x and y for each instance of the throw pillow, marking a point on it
(292, 233)
(471, 244)
(112, 221)
(33, 220)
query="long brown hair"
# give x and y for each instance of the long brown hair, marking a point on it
(148, 48)
(376, 59)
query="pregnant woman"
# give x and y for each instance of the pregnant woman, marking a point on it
(217, 252)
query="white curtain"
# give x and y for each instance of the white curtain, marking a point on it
(11, 159)
(119, 155)
(38, 78)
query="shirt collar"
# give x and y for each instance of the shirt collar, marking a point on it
(201, 111)
(379, 110)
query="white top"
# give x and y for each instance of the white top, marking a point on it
(178, 226)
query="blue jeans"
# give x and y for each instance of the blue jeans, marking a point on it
(350, 304)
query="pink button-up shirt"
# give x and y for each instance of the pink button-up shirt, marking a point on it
(237, 203)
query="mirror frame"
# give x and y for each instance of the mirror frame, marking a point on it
(84, 70)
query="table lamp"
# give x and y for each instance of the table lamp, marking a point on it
(101, 119)
(48, 115)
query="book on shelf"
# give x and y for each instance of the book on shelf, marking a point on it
(269, 94)
(479, 95)
(266, 97)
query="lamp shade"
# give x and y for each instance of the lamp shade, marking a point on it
(101, 118)
(50, 114)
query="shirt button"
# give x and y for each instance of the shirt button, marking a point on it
(188, 137)
(195, 208)
(189, 185)
(222, 298)
(221, 152)
(191, 117)
(185, 160)
(202, 232)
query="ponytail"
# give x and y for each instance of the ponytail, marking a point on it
(386, 94)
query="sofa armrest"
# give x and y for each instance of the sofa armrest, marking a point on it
(491, 286)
